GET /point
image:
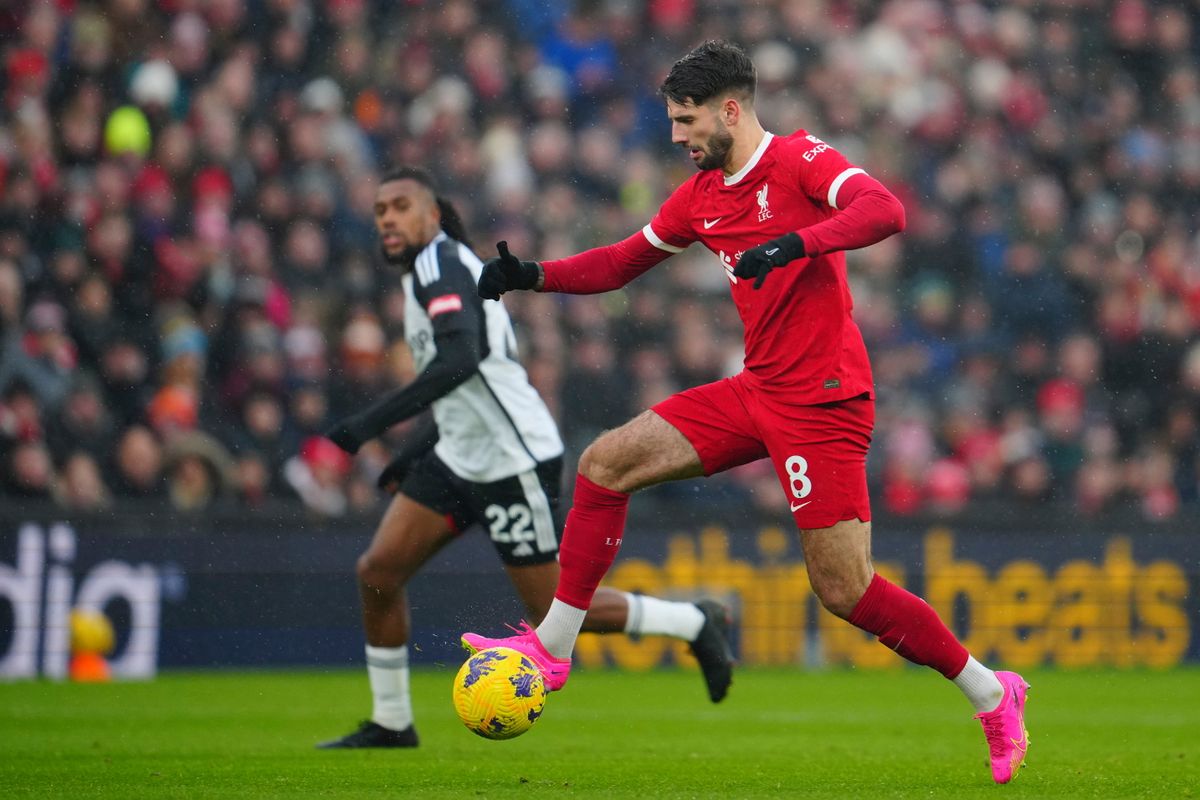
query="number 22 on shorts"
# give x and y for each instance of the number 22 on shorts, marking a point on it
(512, 525)
(798, 482)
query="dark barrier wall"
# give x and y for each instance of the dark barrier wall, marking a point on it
(269, 591)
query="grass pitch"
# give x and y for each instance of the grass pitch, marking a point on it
(781, 733)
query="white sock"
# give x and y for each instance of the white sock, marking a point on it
(560, 628)
(387, 668)
(650, 616)
(980, 685)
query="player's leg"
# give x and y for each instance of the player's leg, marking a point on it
(697, 432)
(643, 452)
(841, 575)
(840, 571)
(704, 625)
(519, 515)
(535, 585)
(820, 456)
(407, 536)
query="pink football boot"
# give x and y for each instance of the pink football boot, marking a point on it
(555, 671)
(1004, 728)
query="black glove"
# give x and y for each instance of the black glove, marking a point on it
(343, 435)
(506, 273)
(394, 473)
(757, 262)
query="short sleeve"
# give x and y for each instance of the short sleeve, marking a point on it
(671, 229)
(820, 169)
(446, 289)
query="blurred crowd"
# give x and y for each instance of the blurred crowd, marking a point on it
(190, 288)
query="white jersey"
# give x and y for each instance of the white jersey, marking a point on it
(494, 425)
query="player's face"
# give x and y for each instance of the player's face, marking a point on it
(699, 129)
(406, 217)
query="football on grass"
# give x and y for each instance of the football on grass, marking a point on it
(499, 693)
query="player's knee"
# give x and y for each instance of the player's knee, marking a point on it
(838, 596)
(600, 465)
(378, 574)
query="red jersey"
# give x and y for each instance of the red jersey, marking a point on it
(801, 340)
(800, 336)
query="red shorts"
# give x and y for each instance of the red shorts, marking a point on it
(819, 451)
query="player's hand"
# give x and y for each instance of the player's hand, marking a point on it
(394, 473)
(507, 273)
(757, 262)
(344, 437)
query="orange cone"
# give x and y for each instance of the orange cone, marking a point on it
(89, 668)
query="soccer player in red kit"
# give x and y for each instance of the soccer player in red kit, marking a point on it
(778, 211)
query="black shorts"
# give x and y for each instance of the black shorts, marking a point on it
(518, 512)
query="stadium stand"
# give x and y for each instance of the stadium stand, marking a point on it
(189, 289)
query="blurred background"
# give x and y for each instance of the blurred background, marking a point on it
(190, 287)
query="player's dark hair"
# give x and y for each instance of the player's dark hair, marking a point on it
(452, 222)
(713, 68)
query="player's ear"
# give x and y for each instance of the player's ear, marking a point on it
(731, 111)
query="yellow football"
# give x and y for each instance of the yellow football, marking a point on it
(499, 693)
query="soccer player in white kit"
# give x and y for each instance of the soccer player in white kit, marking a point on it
(493, 456)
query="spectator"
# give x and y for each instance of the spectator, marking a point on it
(138, 465)
(20, 415)
(43, 357)
(600, 388)
(173, 410)
(200, 472)
(80, 486)
(1061, 418)
(125, 372)
(30, 472)
(12, 294)
(1030, 297)
(84, 423)
(94, 320)
(362, 366)
(1031, 481)
(263, 436)
(318, 476)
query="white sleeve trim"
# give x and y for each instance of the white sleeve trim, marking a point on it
(839, 180)
(652, 237)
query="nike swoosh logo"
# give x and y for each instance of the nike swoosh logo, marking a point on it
(798, 506)
(773, 251)
(708, 224)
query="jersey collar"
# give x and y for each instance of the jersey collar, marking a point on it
(730, 180)
(408, 266)
(436, 240)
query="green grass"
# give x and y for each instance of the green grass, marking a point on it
(609, 735)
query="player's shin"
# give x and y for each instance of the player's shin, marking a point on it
(910, 626)
(591, 539)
